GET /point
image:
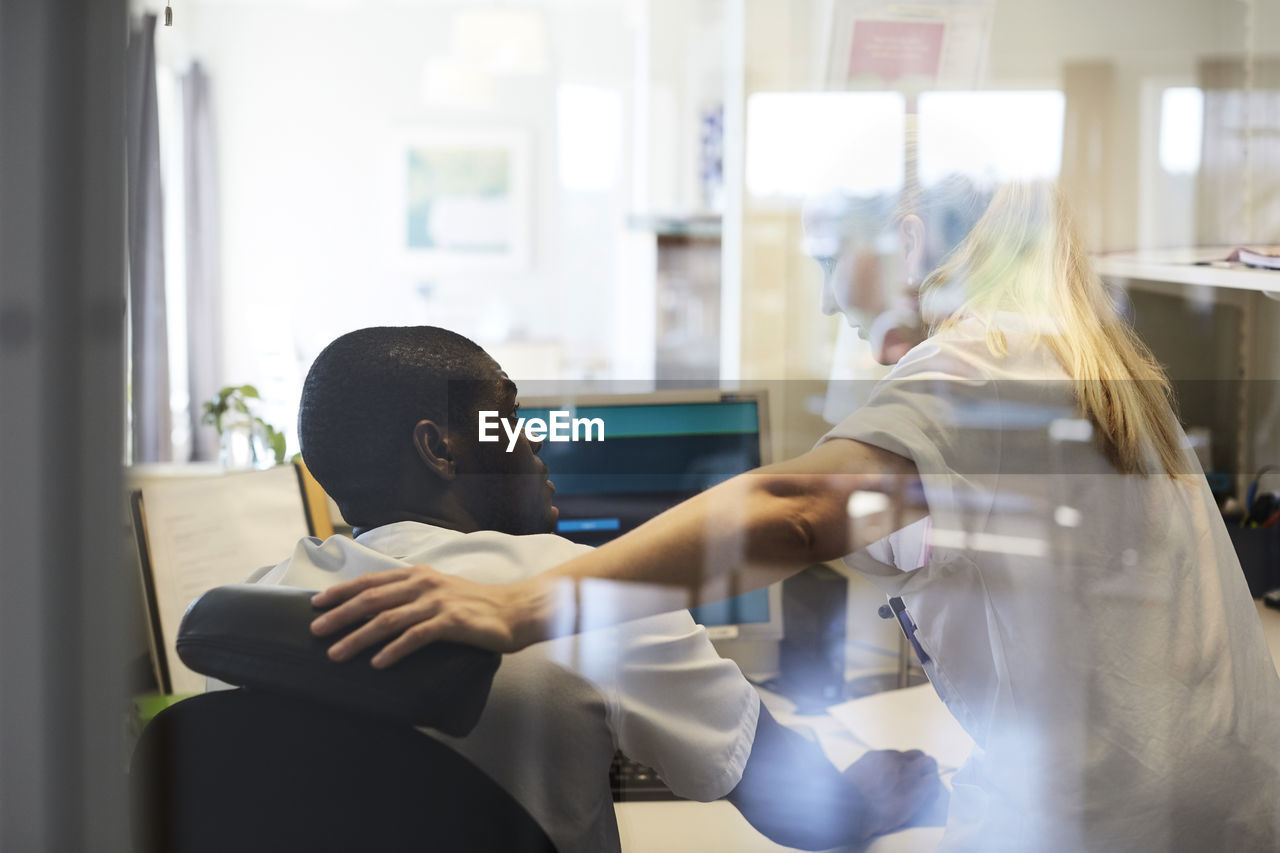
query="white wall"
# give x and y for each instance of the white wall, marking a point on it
(686, 76)
(1151, 44)
(311, 100)
(1032, 38)
(312, 94)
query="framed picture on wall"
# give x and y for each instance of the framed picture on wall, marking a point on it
(465, 199)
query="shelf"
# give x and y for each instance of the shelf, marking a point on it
(704, 226)
(1202, 267)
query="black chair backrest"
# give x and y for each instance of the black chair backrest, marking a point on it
(259, 636)
(243, 770)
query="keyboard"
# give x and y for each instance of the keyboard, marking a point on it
(632, 781)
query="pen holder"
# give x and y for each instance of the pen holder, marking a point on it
(1259, 551)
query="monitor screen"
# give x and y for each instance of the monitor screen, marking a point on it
(654, 455)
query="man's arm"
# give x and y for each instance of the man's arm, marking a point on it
(791, 793)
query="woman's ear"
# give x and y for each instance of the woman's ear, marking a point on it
(912, 233)
(432, 446)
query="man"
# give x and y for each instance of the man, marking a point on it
(389, 425)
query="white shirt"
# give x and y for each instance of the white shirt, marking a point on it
(1092, 631)
(654, 688)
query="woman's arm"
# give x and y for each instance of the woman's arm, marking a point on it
(745, 533)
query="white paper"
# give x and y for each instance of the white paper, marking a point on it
(911, 718)
(211, 531)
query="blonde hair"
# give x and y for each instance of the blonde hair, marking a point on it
(1025, 256)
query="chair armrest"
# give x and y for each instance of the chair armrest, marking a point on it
(259, 637)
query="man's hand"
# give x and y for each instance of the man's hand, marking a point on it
(418, 605)
(791, 792)
(900, 789)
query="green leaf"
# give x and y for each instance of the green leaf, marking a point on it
(277, 444)
(275, 438)
(236, 398)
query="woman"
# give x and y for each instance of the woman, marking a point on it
(1077, 598)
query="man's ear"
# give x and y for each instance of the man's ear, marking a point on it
(432, 445)
(912, 232)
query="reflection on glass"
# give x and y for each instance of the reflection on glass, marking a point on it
(800, 143)
(990, 136)
(1181, 122)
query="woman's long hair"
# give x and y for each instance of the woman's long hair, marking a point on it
(1025, 256)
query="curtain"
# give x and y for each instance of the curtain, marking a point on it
(1087, 127)
(204, 318)
(1238, 191)
(150, 421)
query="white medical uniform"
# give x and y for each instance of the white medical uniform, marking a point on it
(654, 688)
(1092, 631)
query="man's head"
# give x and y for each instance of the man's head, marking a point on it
(389, 427)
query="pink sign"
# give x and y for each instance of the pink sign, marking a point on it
(892, 50)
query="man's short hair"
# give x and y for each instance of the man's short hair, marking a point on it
(363, 396)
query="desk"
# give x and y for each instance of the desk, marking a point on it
(718, 827)
(687, 827)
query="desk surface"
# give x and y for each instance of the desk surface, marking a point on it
(686, 827)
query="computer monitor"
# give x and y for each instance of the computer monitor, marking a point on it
(658, 450)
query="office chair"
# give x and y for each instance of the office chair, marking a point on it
(243, 770)
(321, 764)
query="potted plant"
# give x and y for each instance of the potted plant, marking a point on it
(245, 439)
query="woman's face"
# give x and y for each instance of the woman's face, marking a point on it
(870, 278)
(854, 284)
